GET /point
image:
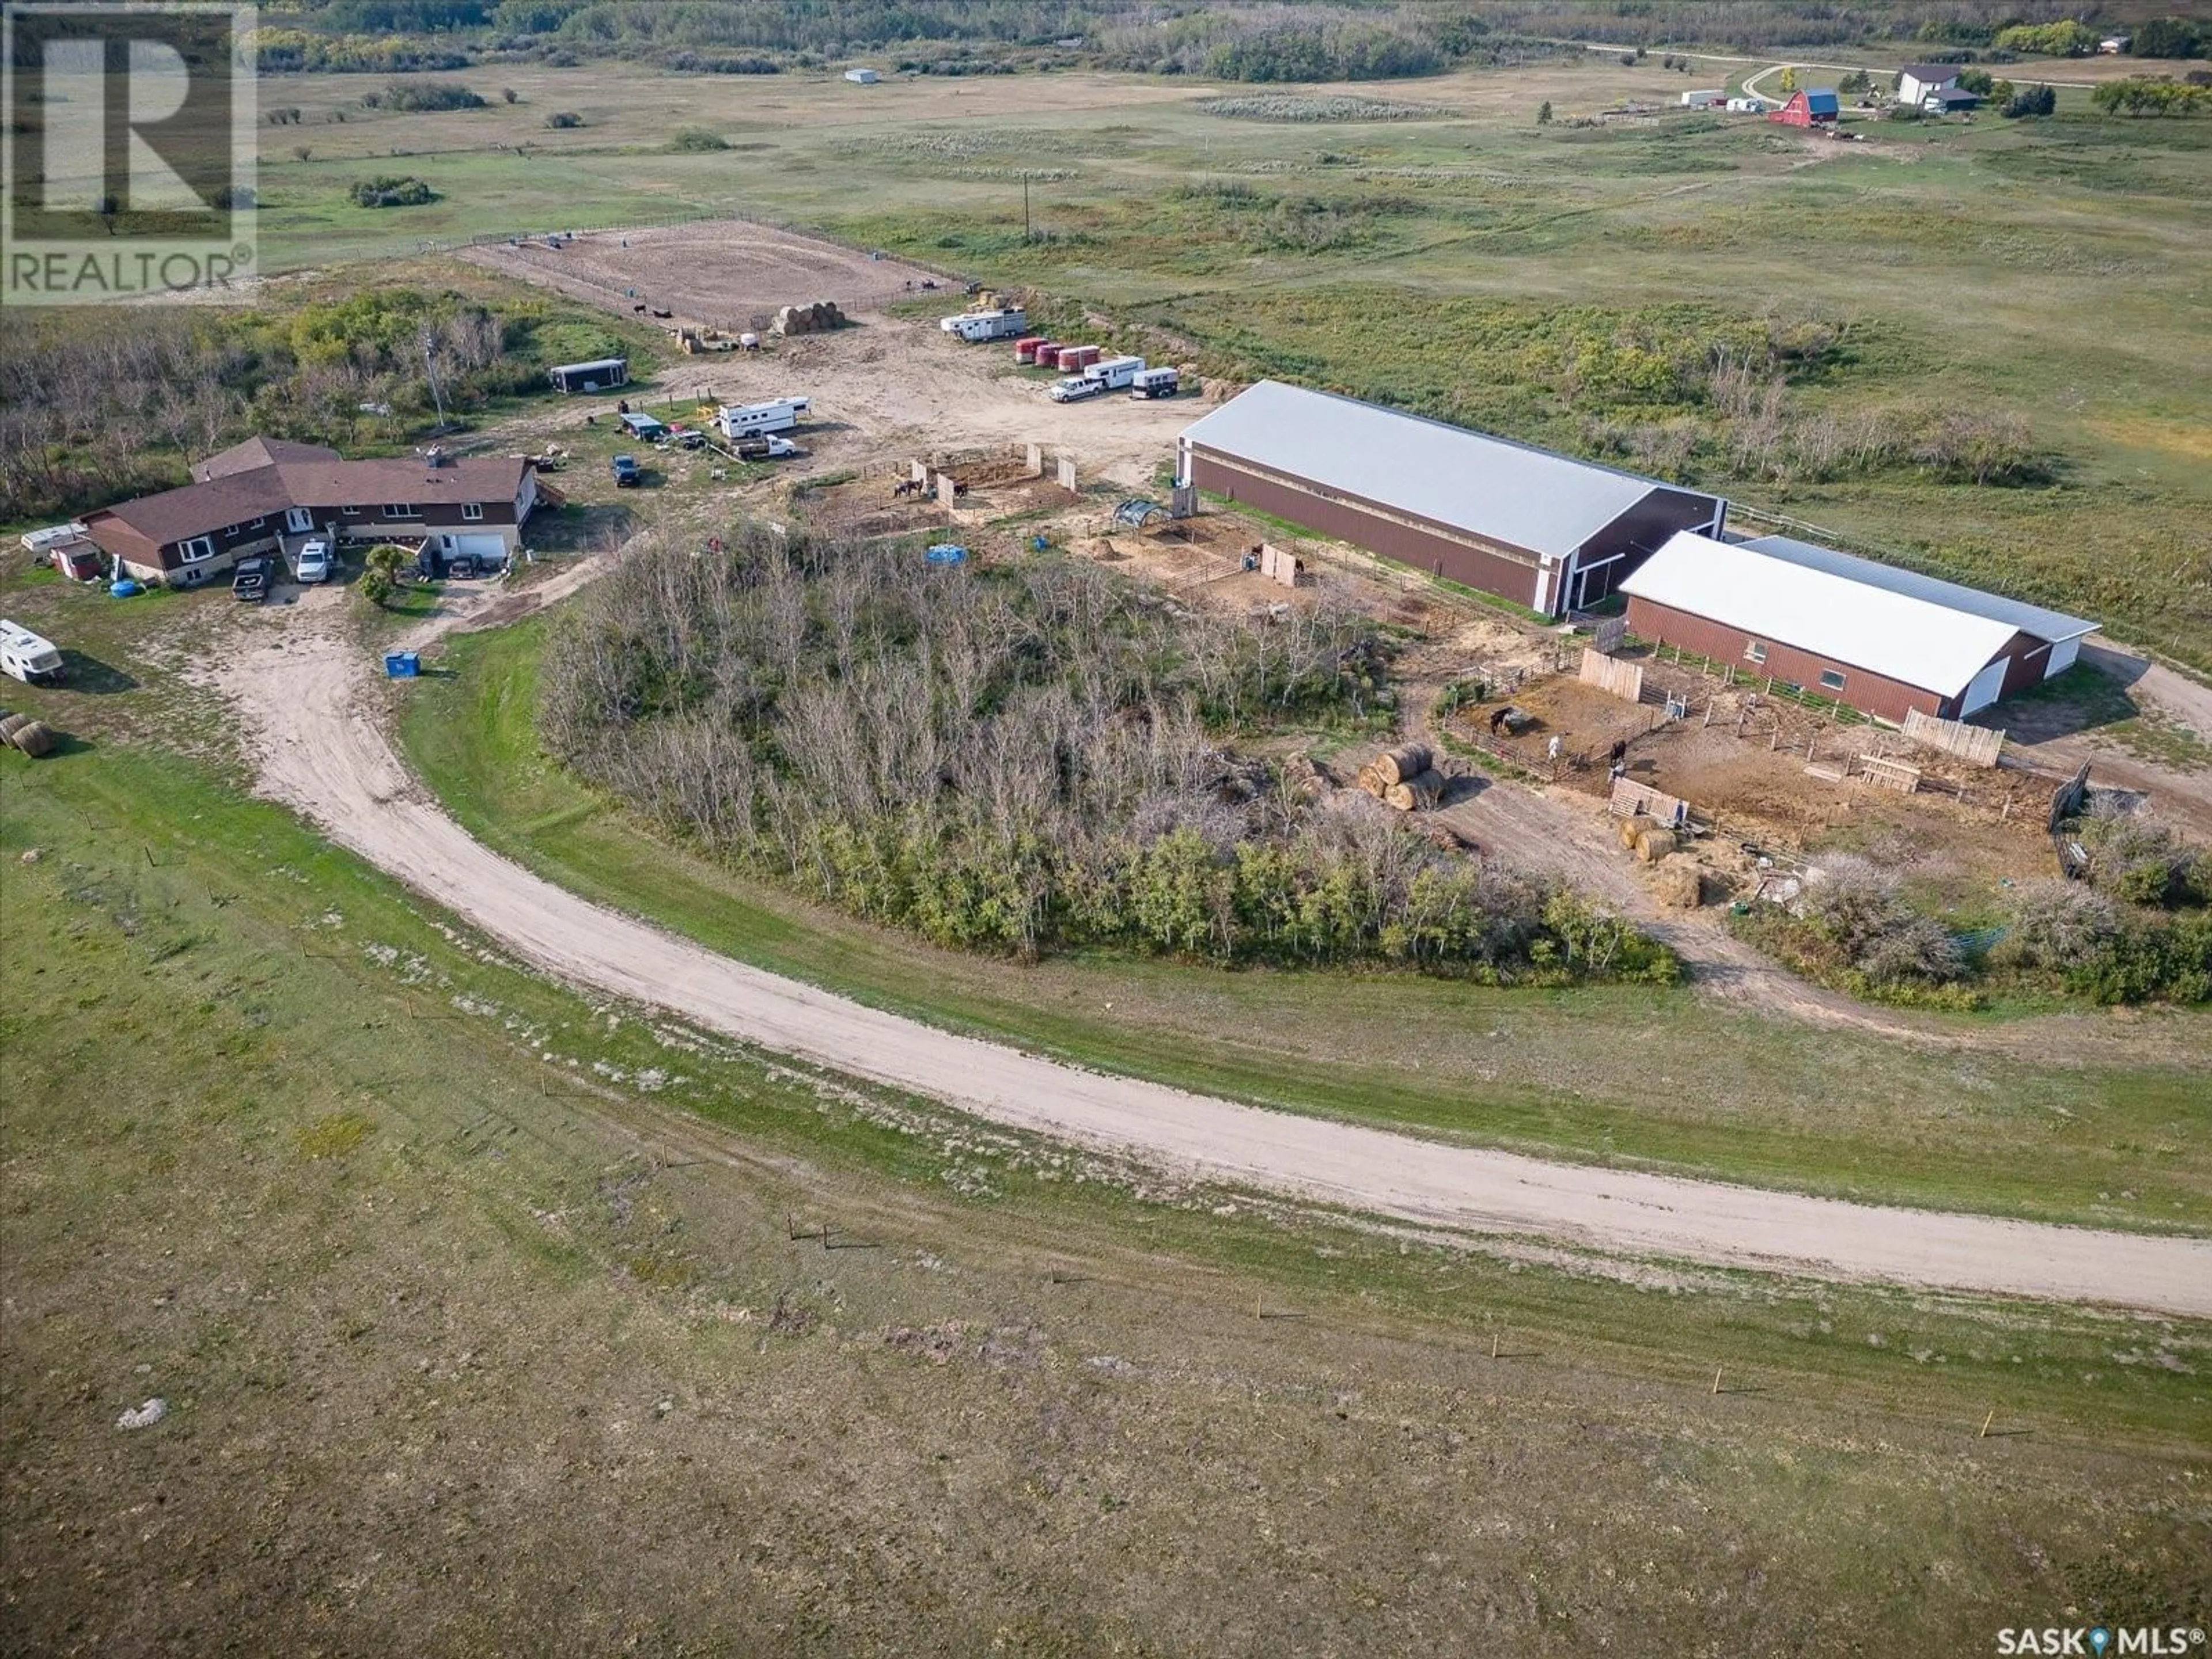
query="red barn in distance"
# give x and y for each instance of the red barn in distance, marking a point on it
(1808, 109)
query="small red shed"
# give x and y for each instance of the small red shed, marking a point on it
(1808, 109)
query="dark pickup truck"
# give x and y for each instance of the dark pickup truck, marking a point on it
(252, 579)
(627, 475)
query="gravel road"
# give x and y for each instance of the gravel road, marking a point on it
(306, 692)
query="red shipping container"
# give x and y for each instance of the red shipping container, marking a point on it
(1025, 349)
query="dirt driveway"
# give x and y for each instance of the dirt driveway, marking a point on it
(303, 692)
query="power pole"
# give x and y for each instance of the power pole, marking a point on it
(430, 370)
(1028, 235)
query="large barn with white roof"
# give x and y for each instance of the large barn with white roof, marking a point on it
(1544, 530)
(1876, 638)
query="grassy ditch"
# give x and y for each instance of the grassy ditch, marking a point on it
(1640, 1075)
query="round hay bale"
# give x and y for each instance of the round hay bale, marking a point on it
(10, 724)
(1417, 793)
(1372, 781)
(34, 737)
(1632, 828)
(1677, 883)
(1405, 762)
(1654, 845)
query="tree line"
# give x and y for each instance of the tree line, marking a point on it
(1025, 758)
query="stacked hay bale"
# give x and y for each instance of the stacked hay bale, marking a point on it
(1648, 839)
(817, 319)
(1417, 793)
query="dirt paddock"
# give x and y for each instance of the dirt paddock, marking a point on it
(728, 274)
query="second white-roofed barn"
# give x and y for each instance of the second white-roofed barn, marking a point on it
(1875, 638)
(1547, 530)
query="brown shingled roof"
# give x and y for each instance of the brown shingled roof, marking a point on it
(196, 509)
(402, 478)
(259, 452)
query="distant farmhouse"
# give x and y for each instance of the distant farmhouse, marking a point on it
(252, 496)
(1917, 83)
(1878, 639)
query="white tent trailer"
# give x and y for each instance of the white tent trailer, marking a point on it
(1155, 383)
(1545, 530)
(39, 543)
(1751, 106)
(1883, 640)
(974, 326)
(1116, 373)
(604, 375)
(738, 421)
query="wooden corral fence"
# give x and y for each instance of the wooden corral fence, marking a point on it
(1977, 746)
(1612, 675)
(1890, 774)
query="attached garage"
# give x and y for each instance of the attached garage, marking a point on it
(1883, 640)
(481, 545)
(1546, 530)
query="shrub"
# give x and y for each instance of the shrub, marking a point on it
(564, 119)
(508, 94)
(392, 191)
(2169, 36)
(2141, 96)
(696, 140)
(2029, 101)
(424, 96)
(2059, 924)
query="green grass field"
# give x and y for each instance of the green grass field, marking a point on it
(1659, 1078)
(2042, 270)
(424, 1253)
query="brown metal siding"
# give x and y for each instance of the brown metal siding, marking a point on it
(2031, 661)
(1885, 699)
(1493, 572)
(1637, 534)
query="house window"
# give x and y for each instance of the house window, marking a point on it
(1831, 679)
(402, 510)
(258, 522)
(472, 511)
(350, 512)
(199, 547)
(1753, 651)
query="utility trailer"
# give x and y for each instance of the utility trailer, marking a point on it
(1114, 374)
(974, 326)
(736, 420)
(1155, 383)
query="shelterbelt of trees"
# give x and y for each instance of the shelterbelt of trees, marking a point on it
(1023, 758)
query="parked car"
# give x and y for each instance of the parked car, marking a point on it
(78, 560)
(627, 477)
(252, 580)
(312, 563)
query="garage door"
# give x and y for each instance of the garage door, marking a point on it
(1983, 691)
(479, 544)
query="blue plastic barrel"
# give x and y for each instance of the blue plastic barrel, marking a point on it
(123, 589)
(402, 665)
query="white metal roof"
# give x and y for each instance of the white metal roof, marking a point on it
(1901, 636)
(1490, 487)
(2052, 625)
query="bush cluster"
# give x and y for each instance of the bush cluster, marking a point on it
(391, 191)
(419, 97)
(1024, 758)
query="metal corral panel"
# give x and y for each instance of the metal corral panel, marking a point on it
(1900, 636)
(2051, 625)
(1489, 487)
